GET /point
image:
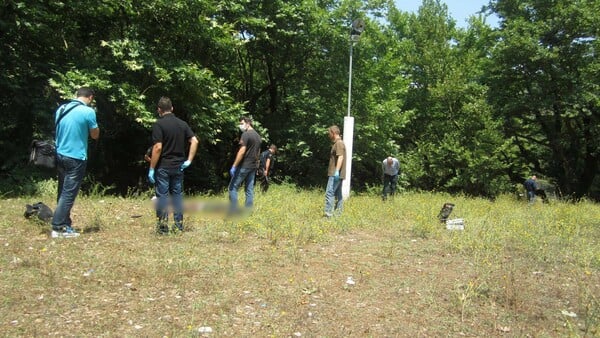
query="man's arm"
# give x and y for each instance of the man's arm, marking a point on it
(95, 133)
(340, 161)
(193, 148)
(239, 156)
(267, 166)
(156, 151)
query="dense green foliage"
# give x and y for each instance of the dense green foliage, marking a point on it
(471, 110)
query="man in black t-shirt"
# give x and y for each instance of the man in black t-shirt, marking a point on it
(266, 167)
(244, 166)
(171, 137)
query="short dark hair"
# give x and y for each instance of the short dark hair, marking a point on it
(84, 92)
(273, 147)
(246, 119)
(164, 104)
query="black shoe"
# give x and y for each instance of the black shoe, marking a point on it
(162, 229)
(177, 228)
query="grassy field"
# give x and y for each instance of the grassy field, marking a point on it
(380, 270)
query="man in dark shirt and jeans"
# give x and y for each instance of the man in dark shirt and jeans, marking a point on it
(170, 136)
(245, 165)
(266, 167)
(531, 188)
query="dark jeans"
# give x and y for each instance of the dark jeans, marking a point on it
(71, 172)
(531, 196)
(389, 185)
(169, 183)
(264, 181)
(246, 175)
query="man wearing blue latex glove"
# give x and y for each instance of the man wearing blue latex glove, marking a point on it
(151, 176)
(185, 165)
(171, 136)
(336, 171)
(245, 165)
(148, 158)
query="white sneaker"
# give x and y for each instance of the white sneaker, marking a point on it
(70, 234)
(65, 234)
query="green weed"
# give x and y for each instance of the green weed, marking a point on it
(516, 269)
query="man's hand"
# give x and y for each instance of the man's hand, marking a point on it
(232, 171)
(151, 176)
(336, 176)
(185, 165)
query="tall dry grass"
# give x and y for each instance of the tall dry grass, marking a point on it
(516, 269)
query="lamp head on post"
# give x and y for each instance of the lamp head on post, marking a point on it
(358, 26)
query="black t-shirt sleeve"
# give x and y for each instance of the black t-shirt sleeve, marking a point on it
(188, 132)
(157, 134)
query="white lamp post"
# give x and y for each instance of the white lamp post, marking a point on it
(358, 26)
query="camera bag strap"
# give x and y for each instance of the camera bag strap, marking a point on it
(64, 112)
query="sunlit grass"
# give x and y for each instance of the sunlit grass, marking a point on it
(516, 268)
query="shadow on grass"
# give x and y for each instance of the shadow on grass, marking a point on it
(91, 229)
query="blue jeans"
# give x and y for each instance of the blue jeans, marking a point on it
(169, 183)
(71, 172)
(264, 181)
(245, 175)
(389, 185)
(333, 192)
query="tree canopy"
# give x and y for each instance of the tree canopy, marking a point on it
(466, 110)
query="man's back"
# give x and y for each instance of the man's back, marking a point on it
(73, 130)
(263, 159)
(251, 140)
(391, 166)
(529, 185)
(174, 134)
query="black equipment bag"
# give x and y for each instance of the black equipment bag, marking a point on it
(445, 212)
(43, 153)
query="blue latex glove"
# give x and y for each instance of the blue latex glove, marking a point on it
(185, 165)
(151, 176)
(232, 171)
(336, 176)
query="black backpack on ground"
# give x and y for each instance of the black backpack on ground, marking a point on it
(39, 209)
(445, 212)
